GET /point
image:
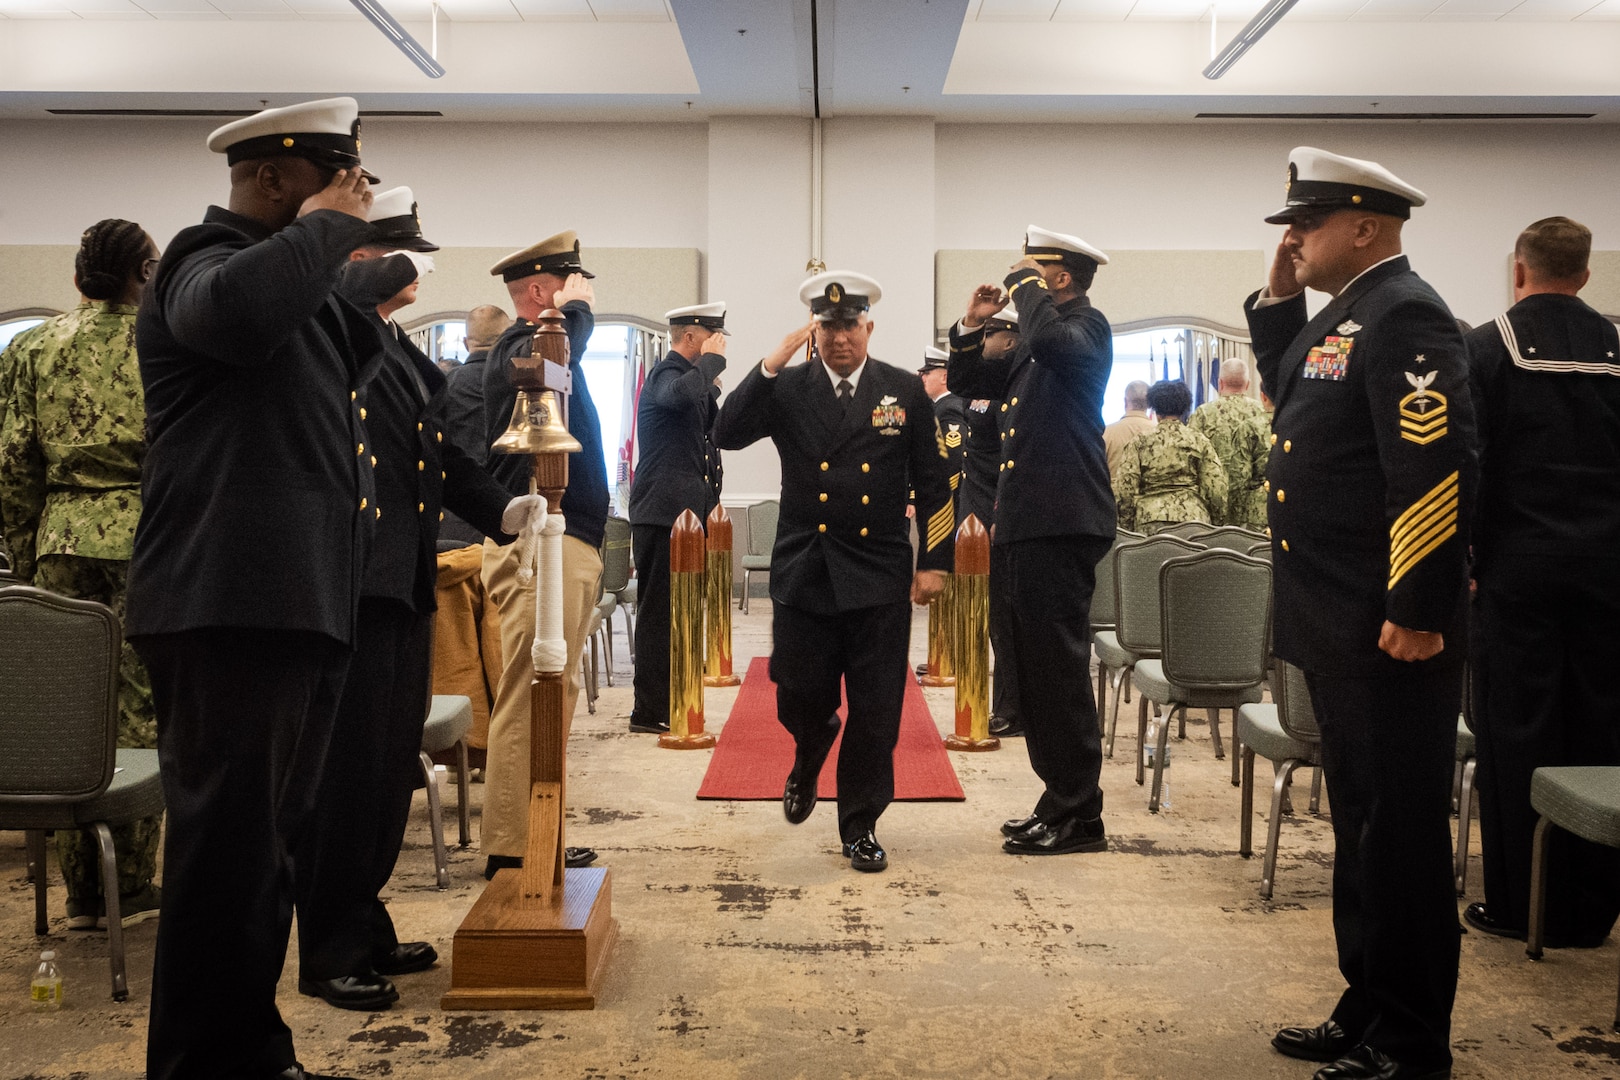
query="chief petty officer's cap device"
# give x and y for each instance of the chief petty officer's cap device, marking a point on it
(933, 360)
(554, 255)
(709, 316)
(1320, 182)
(1044, 246)
(839, 295)
(395, 222)
(326, 132)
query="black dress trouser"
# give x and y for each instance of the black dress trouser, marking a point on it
(650, 548)
(865, 650)
(1004, 687)
(1389, 744)
(244, 719)
(364, 801)
(1546, 636)
(1047, 583)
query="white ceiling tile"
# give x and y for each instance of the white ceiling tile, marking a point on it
(630, 10)
(1169, 10)
(479, 10)
(154, 6)
(1463, 16)
(1549, 10)
(1323, 10)
(1397, 7)
(191, 16)
(25, 7)
(40, 13)
(136, 15)
(1495, 7)
(1017, 10)
(1608, 11)
(1092, 10)
(555, 10)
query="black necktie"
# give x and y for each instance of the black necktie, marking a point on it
(846, 394)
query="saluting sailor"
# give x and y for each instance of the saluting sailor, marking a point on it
(951, 412)
(347, 945)
(1054, 518)
(1369, 481)
(854, 435)
(676, 473)
(257, 513)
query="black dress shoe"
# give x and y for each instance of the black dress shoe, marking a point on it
(1069, 837)
(1003, 728)
(296, 1072)
(577, 858)
(404, 958)
(1366, 1063)
(866, 854)
(1019, 826)
(365, 993)
(799, 794)
(922, 669)
(649, 727)
(1476, 916)
(1326, 1041)
(501, 862)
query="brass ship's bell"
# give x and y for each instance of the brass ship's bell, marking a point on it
(537, 425)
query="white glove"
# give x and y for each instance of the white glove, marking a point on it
(423, 262)
(521, 512)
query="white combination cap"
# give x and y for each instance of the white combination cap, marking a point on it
(1043, 245)
(395, 221)
(326, 132)
(1319, 181)
(1008, 315)
(712, 316)
(839, 294)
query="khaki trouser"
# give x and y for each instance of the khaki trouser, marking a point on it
(466, 637)
(505, 826)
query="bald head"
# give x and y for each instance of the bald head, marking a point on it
(485, 324)
(1234, 376)
(1136, 396)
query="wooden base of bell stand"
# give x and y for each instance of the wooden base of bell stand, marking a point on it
(970, 744)
(722, 680)
(509, 955)
(936, 680)
(701, 741)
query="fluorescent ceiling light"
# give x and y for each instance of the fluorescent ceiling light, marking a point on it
(403, 41)
(1264, 20)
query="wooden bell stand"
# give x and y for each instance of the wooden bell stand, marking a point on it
(540, 937)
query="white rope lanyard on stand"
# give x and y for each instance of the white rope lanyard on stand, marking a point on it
(539, 557)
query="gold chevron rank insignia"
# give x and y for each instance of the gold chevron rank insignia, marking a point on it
(1425, 525)
(953, 435)
(941, 525)
(1423, 411)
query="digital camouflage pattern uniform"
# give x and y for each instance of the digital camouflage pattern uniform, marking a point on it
(71, 443)
(1240, 430)
(1169, 475)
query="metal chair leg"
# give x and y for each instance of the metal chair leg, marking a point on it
(37, 871)
(1214, 732)
(629, 628)
(463, 795)
(1456, 786)
(1102, 700)
(1237, 749)
(1268, 865)
(1316, 789)
(1465, 811)
(742, 602)
(1246, 804)
(1538, 888)
(435, 825)
(115, 914)
(1158, 761)
(1141, 739)
(1118, 680)
(606, 634)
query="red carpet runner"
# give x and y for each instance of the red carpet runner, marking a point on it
(755, 752)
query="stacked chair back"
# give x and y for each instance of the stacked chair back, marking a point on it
(1231, 537)
(615, 555)
(1294, 711)
(1102, 597)
(58, 703)
(1187, 530)
(1215, 607)
(1260, 551)
(1136, 589)
(762, 517)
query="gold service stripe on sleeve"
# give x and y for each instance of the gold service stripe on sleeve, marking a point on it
(1425, 525)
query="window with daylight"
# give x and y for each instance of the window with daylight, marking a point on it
(1173, 351)
(10, 328)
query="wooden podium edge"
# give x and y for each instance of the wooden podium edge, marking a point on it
(490, 999)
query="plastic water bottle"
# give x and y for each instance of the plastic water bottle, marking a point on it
(46, 989)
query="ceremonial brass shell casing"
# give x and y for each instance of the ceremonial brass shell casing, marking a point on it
(686, 573)
(717, 602)
(941, 669)
(971, 637)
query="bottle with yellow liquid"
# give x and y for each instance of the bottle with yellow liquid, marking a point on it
(46, 989)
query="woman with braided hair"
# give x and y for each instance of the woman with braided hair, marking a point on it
(71, 445)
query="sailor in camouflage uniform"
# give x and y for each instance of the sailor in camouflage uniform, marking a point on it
(1240, 430)
(71, 446)
(1171, 474)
